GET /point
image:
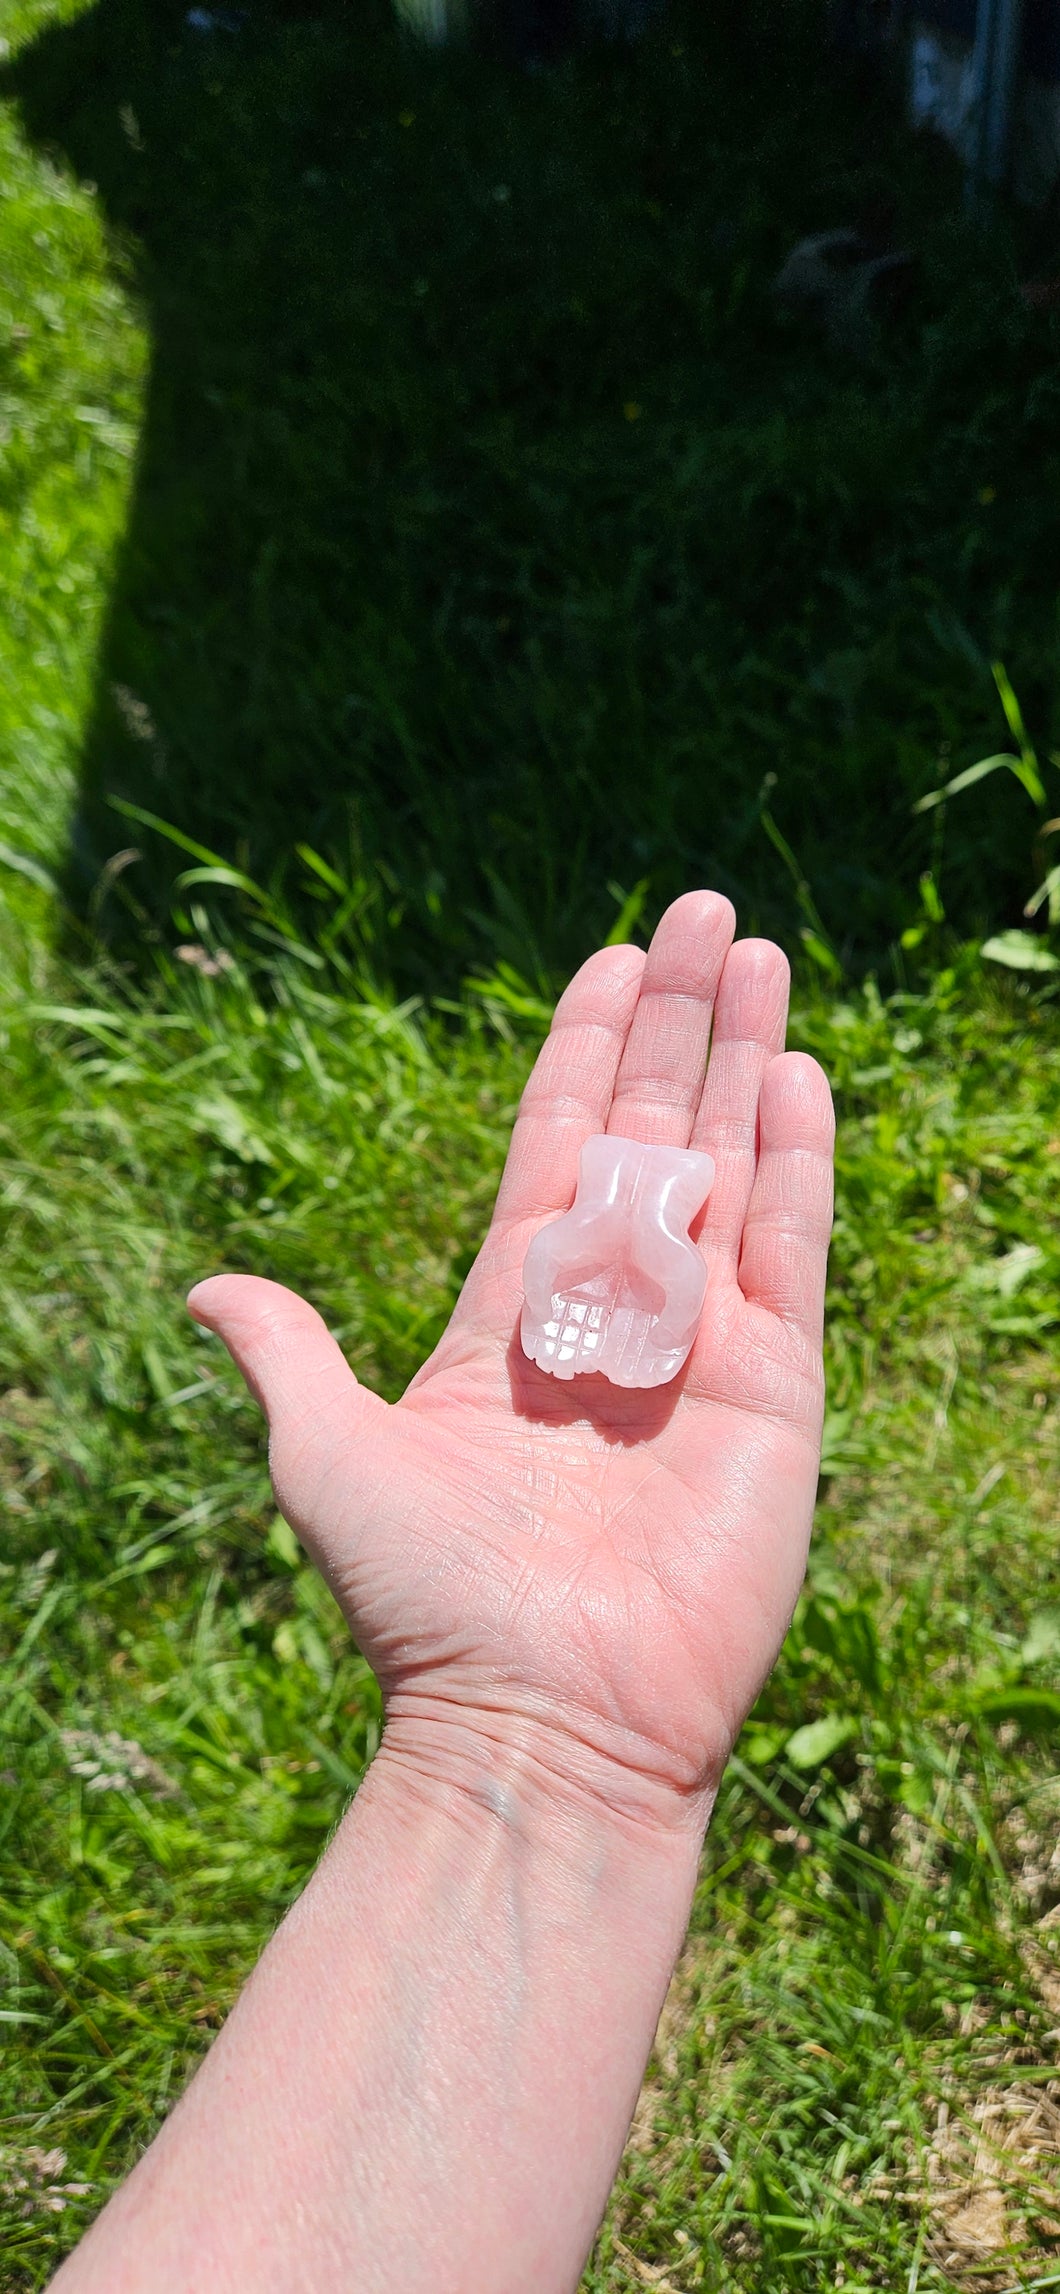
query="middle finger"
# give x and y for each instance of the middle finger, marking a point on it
(660, 1076)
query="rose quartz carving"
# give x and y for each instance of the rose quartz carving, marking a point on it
(616, 1284)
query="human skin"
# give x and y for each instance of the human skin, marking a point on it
(572, 1594)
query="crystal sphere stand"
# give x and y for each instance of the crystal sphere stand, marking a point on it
(616, 1285)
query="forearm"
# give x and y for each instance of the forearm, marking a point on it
(429, 2078)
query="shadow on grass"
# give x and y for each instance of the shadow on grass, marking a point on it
(492, 533)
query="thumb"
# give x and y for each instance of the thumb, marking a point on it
(317, 1411)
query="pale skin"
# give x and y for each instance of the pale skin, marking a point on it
(571, 1595)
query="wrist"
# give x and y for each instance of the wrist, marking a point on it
(542, 1785)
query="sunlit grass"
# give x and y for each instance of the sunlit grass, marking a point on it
(72, 371)
(184, 1717)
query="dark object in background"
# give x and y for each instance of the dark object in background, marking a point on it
(846, 280)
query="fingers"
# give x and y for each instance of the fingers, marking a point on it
(789, 1217)
(570, 1090)
(660, 1076)
(750, 1020)
(285, 1352)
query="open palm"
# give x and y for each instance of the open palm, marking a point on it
(596, 1577)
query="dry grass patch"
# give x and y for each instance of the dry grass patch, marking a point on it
(993, 2176)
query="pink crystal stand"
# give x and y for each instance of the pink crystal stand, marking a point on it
(616, 1285)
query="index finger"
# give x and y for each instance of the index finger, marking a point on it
(571, 1086)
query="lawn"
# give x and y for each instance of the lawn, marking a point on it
(479, 477)
(397, 577)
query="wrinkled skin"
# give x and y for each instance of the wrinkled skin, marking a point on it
(601, 1576)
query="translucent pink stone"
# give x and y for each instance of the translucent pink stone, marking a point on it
(616, 1285)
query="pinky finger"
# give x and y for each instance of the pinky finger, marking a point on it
(789, 1219)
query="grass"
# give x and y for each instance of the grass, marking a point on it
(183, 1717)
(169, 1607)
(857, 2084)
(297, 555)
(478, 476)
(72, 365)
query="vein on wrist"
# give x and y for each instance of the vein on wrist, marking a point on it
(540, 1782)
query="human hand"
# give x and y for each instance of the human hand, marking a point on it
(590, 1579)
